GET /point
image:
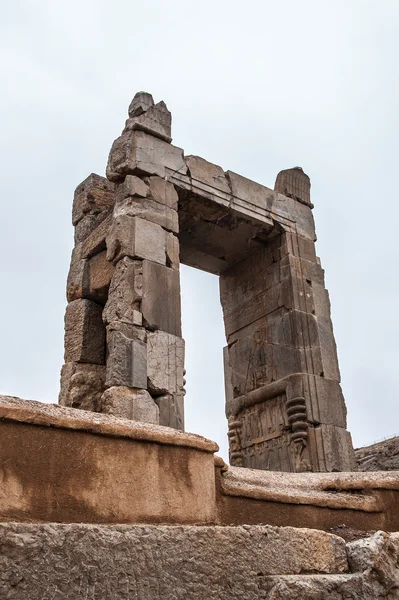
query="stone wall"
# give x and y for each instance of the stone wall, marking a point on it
(57, 562)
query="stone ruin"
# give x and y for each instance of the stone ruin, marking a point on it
(104, 495)
(124, 352)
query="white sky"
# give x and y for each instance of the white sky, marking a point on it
(255, 87)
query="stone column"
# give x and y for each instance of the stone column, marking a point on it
(138, 312)
(284, 402)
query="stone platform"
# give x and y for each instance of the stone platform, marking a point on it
(67, 465)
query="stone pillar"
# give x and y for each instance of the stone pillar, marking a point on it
(125, 278)
(284, 402)
(83, 374)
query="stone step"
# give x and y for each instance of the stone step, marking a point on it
(54, 561)
(316, 587)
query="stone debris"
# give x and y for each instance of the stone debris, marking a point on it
(157, 208)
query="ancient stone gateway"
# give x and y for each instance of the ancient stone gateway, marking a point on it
(124, 352)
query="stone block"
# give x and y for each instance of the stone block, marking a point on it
(132, 331)
(84, 333)
(321, 300)
(155, 120)
(94, 195)
(131, 186)
(76, 275)
(127, 403)
(135, 238)
(171, 411)
(95, 242)
(126, 361)
(379, 555)
(141, 102)
(228, 386)
(334, 448)
(137, 153)
(87, 225)
(328, 349)
(299, 246)
(254, 362)
(165, 363)
(82, 386)
(98, 278)
(89, 278)
(324, 401)
(163, 191)
(157, 562)
(249, 191)
(172, 251)
(125, 292)
(302, 268)
(295, 184)
(207, 174)
(160, 304)
(148, 209)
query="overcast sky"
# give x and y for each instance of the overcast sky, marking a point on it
(254, 86)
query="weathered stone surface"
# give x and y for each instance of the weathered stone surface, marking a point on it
(133, 331)
(228, 376)
(125, 292)
(99, 272)
(137, 153)
(76, 275)
(160, 304)
(381, 456)
(155, 120)
(65, 465)
(334, 448)
(315, 587)
(158, 563)
(87, 225)
(172, 251)
(207, 174)
(377, 556)
(95, 194)
(324, 401)
(82, 386)
(136, 238)
(141, 102)
(165, 363)
(89, 278)
(84, 333)
(126, 361)
(328, 349)
(128, 403)
(148, 209)
(163, 191)
(171, 410)
(131, 186)
(294, 183)
(96, 241)
(321, 301)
